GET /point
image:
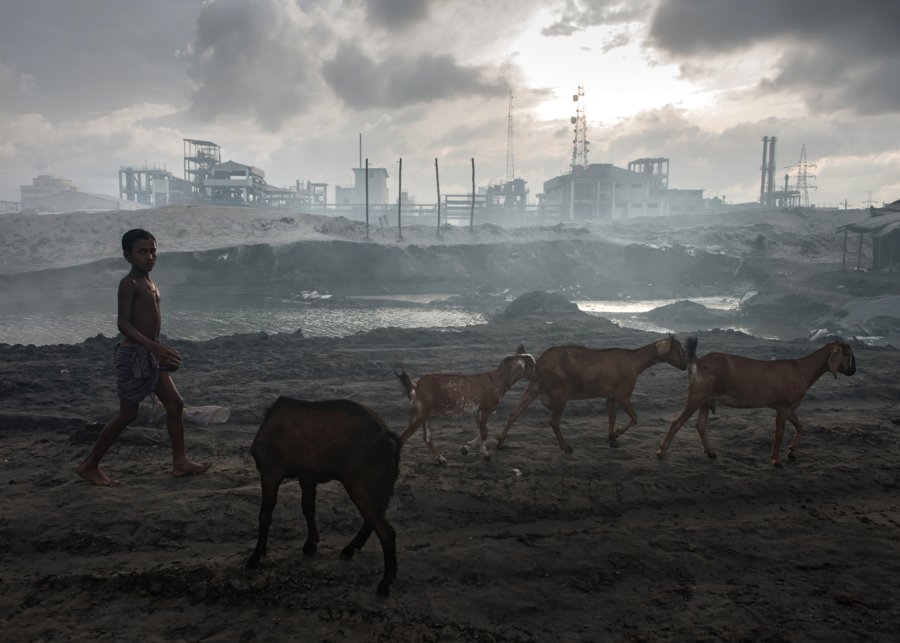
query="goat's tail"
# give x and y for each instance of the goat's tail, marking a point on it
(408, 386)
(690, 345)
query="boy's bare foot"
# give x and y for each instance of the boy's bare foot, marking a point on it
(187, 468)
(95, 476)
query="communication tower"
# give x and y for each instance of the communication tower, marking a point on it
(580, 143)
(803, 177)
(510, 155)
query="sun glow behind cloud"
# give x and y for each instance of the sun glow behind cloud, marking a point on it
(620, 80)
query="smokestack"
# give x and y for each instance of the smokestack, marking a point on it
(762, 181)
(771, 190)
(360, 150)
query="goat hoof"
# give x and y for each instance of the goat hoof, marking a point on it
(613, 442)
(440, 461)
(253, 562)
(568, 449)
(309, 548)
(660, 454)
(384, 588)
(776, 464)
(712, 455)
(347, 552)
(465, 450)
(791, 456)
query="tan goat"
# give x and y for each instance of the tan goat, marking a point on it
(447, 394)
(781, 384)
(578, 373)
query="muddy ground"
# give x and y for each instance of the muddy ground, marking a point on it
(534, 545)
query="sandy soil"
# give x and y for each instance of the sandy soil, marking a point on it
(534, 545)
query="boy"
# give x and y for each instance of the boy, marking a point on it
(142, 364)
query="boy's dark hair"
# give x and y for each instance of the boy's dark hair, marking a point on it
(132, 236)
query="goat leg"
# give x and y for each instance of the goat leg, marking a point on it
(688, 411)
(702, 418)
(527, 398)
(358, 541)
(269, 498)
(438, 458)
(308, 503)
(780, 417)
(795, 443)
(554, 424)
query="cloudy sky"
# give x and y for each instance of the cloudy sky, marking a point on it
(288, 86)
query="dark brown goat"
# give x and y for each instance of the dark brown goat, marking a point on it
(577, 373)
(781, 384)
(446, 394)
(329, 440)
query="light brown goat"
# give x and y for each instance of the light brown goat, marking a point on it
(578, 373)
(781, 384)
(329, 440)
(446, 394)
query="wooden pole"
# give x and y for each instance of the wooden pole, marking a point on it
(367, 199)
(859, 253)
(399, 199)
(472, 211)
(437, 180)
(844, 259)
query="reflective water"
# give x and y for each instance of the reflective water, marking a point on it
(192, 322)
(624, 311)
(184, 323)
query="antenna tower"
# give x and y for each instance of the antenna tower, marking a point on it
(580, 143)
(510, 156)
(803, 177)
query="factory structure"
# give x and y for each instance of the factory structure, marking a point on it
(207, 179)
(586, 192)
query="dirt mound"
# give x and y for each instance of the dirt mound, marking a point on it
(537, 303)
(685, 312)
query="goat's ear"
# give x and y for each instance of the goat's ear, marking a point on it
(834, 360)
(521, 349)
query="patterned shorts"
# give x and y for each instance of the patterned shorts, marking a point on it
(137, 372)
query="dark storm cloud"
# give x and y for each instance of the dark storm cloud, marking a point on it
(577, 16)
(840, 55)
(92, 55)
(398, 81)
(396, 14)
(254, 60)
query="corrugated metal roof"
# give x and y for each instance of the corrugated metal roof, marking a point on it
(883, 224)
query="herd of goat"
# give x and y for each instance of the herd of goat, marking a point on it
(346, 441)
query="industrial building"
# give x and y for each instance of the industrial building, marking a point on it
(604, 191)
(48, 194)
(153, 186)
(356, 195)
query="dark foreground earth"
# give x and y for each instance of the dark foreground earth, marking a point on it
(605, 543)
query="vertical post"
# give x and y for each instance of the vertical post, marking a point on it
(399, 200)
(891, 239)
(437, 180)
(844, 258)
(367, 199)
(859, 253)
(472, 210)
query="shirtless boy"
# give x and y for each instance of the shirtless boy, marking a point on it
(143, 365)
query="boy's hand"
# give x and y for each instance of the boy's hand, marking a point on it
(167, 355)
